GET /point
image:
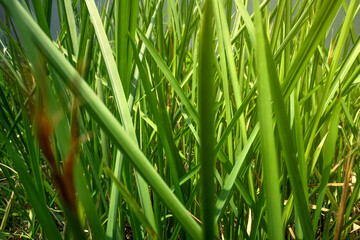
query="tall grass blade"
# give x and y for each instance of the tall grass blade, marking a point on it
(270, 161)
(285, 136)
(206, 102)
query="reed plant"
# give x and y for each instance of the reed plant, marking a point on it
(179, 119)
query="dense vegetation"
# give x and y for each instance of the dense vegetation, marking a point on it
(179, 120)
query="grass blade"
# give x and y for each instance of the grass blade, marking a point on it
(268, 149)
(206, 124)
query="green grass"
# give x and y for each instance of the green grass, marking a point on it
(179, 120)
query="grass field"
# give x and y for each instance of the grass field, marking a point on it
(179, 120)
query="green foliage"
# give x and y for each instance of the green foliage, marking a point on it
(179, 120)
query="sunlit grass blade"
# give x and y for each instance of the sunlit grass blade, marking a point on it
(294, 30)
(334, 63)
(285, 137)
(231, 68)
(247, 20)
(70, 22)
(323, 18)
(278, 22)
(109, 60)
(269, 158)
(225, 80)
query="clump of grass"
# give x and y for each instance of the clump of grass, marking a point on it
(190, 119)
